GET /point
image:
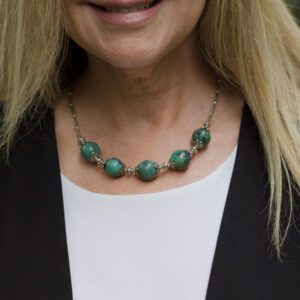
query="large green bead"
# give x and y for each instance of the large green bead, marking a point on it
(114, 167)
(180, 159)
(88, 149)
(147, 170)
(201, 136)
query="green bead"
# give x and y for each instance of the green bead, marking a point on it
(201, 136)
(147, 170)
(114, 167)
(88, 149)
(180, 159)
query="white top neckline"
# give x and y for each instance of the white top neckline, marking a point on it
(182, 188)
(145, 246)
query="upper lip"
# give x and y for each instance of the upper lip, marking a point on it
(121, 3)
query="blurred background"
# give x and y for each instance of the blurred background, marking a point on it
(294, 5)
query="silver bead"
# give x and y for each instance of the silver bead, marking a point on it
(200, 146)
(94, 157)
(99, 160)
(81, 141)
(165, 166)
(206, 125)
(171, 165)
(129, 171)
(193, 150)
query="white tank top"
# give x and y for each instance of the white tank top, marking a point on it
(156, 246)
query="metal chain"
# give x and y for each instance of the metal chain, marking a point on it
(132, 170)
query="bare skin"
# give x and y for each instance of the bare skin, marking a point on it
(146, 112)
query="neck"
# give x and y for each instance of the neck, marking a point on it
(161, 94)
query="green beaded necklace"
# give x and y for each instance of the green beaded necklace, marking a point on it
(147, 170)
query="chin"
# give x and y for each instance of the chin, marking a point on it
(132, 57)
(133, 62)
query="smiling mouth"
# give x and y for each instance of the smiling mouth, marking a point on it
(126, 10)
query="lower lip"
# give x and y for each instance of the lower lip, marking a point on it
(127, 19)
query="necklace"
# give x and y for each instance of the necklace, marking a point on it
(147, 170)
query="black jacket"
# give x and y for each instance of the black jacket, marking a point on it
(33, 250)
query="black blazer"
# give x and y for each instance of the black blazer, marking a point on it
(33, 250)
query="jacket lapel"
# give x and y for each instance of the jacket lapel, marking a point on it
(241, 237)
(244, 267)
(33, 254)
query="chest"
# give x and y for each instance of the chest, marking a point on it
(158, 244)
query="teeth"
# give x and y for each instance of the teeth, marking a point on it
(129, 9)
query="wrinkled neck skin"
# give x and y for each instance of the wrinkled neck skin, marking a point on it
(163, 94)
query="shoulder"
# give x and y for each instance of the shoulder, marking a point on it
(33, 126)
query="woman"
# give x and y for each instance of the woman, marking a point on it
(103, 195)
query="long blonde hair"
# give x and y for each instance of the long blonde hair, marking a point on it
(254, 45)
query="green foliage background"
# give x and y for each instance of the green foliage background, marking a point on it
(294, 5)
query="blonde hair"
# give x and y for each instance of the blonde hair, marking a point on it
(254, 45)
